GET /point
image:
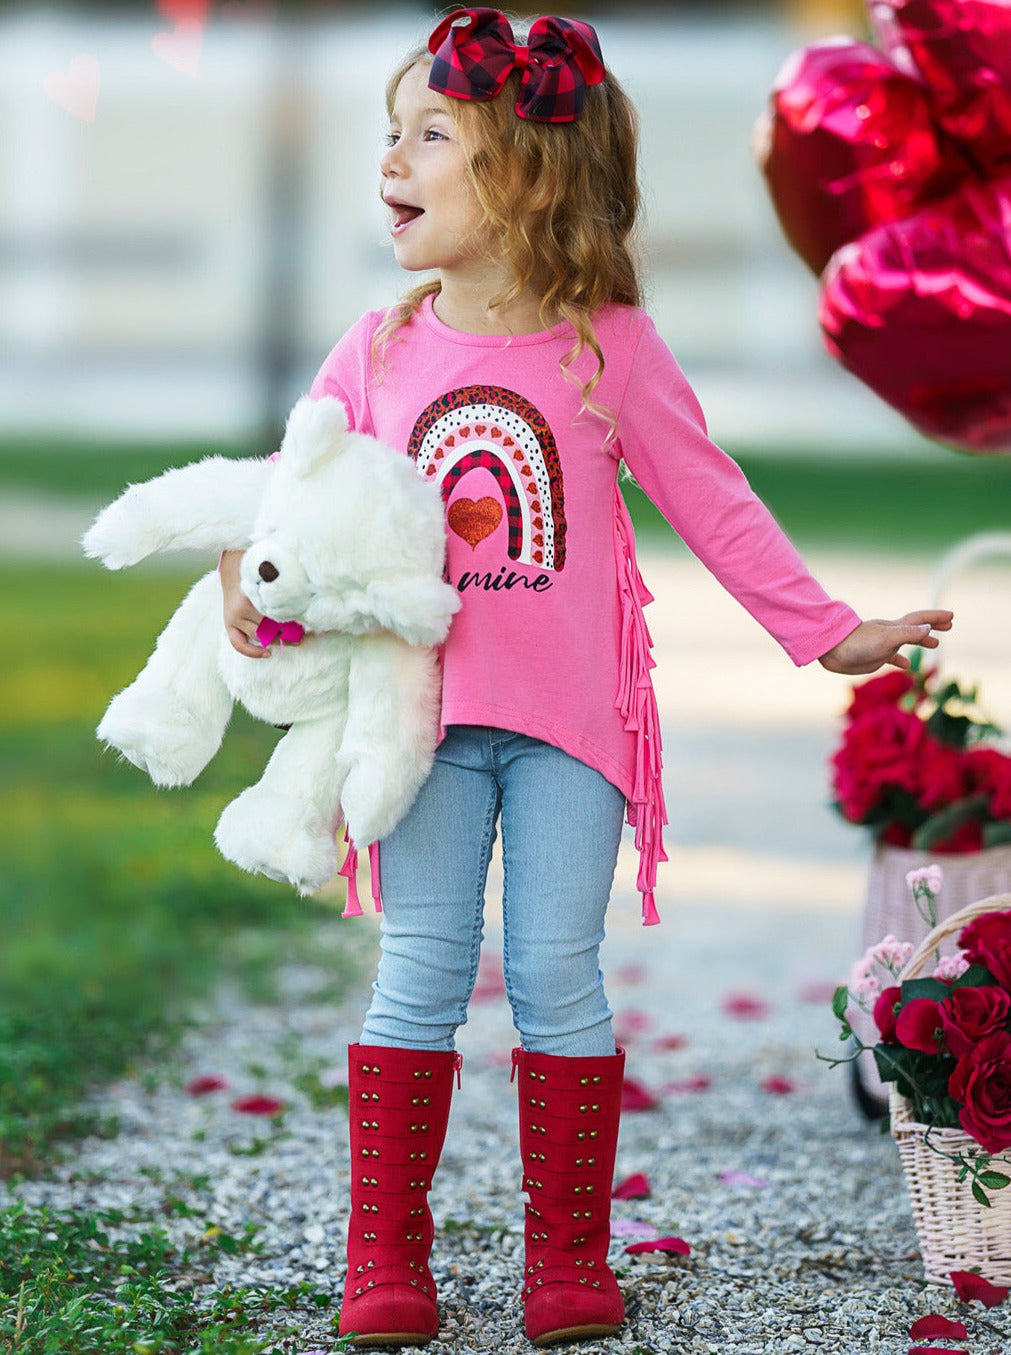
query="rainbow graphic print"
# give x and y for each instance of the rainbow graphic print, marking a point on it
(499, 431)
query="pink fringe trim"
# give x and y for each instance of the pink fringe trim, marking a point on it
(636, 702)
(349, 870)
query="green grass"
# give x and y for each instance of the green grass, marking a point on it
(118, 913)
(884, 504)
(117, 909)
(106, 1284)
(917, 502)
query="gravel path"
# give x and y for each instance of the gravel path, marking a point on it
(800, 1236)
(794, 1208)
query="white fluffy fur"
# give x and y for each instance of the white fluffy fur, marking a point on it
(358, 543)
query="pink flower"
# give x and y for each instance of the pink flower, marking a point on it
(927, 877)
(258, 1104)
(951, 967)
(667, 1244)
(634, 1187)
(926, 1328)
(204, 1083)
(970, 1286)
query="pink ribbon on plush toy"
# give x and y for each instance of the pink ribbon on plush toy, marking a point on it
(285, 632)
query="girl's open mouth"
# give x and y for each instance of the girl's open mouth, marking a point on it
(403, 215)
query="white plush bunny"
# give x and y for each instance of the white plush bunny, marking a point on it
(342, 537)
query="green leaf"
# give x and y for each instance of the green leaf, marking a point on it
(976, 976)
(993, 1180)
(997, 834)
(930, 988)
(940, 826)
(840, 1001)
(979, 1195)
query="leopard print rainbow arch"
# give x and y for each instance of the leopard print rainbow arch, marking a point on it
(499, 431)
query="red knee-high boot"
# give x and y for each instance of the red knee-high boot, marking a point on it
(398, 1108)
(569, 1110)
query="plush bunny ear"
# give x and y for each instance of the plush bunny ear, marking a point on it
(316, 430)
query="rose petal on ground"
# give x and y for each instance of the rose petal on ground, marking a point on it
(632, 1019)
(934, 1324)
(777, 1085)
(670, 1042)
(497, 1058)
(634, 1187)
(736, 1178)
(258, 1104)
(632, 1228)
(698, 1082)
(745, 1006)
(969, 1286)
(667, 1244)
(204, 1083)
(629, 974)
(936, 1350)
(634, 1096)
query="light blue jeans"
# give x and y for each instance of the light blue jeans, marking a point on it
(561, 825)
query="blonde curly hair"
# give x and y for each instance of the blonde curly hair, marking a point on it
(562, 201)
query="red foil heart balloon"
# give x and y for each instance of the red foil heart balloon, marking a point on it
(920, 310)
(962, 50)
(848, 143)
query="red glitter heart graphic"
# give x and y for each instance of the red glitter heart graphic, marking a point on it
(474, 521)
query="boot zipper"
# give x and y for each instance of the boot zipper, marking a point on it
(457, 1065)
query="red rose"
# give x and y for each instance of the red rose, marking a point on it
(943, 774)
(981, 1084)
(886, 690)
(970, 1014)
(884, 1014)
(987, 941)
(991, 773)
(918, 1025)
(880, 749)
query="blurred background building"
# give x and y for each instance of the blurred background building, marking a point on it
(190, 217)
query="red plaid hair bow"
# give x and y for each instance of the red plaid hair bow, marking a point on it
(474, 54)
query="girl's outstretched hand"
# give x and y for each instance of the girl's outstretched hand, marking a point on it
(241, 617)
(875, 643)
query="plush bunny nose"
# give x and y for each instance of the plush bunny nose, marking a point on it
(267, 572)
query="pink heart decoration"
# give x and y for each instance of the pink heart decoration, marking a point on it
(180, 49)
(848, 143)
(76, 88)
(962, 51)
(920, 311)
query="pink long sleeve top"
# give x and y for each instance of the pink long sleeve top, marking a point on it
(551, 638)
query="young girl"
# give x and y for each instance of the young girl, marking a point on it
(519, 378)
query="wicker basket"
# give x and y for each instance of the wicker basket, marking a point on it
(889, 910)
(955, 1232)
(888, 904)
